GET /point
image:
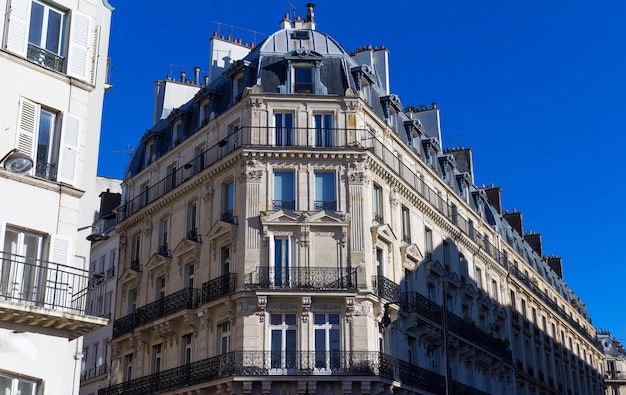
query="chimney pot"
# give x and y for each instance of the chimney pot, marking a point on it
(183, 76)
(196, 75)
(310, 16)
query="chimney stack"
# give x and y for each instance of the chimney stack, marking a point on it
(493, 197)
(196, 75)
(515, 220)
(310, 17)
(556, 264)
(534, 241)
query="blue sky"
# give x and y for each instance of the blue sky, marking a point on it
(534, 87)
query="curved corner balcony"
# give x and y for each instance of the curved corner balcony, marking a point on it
(250, 365)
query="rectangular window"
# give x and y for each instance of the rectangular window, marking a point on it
(170, 183)
(446, 255)
(199, 162)
(324, 128)
(225, 260)
(159, 288)
(283, 341)
(204, 113)
(406, 225)
(192, 221)
(186, 349)
(136, 251)
(428, 241)
(21, 269)
(378, 204)
(327, 345)
(190, 275)
(224, 337)
(128, 367)
(478, 274)
(325, 198)
(145, 194)
(284, 191)
(17, 385)
(157, 355)
(131, 305)
(303, 79)
(411, 350)
(281, 261)
(228, 201)
(164, 225)
(284, 129)
(149, 153)
(177, 133)
(494, 291)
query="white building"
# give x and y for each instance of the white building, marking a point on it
(614, 364)
(53, 57)
(293, 229)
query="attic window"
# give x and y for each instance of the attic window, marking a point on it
(300, 35)
(303, 79)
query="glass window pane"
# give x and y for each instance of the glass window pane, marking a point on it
(53, 36)
(276, 319)
(36, 24)
(333, 318)
(26, 388)
(325, 186)
(283, 185)
(5, 385)
(290, 319)
(44, 139)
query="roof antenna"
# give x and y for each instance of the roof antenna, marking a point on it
(293, 9)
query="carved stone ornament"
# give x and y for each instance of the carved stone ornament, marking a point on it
(306, 308)
(251, 176)
(208, 192)
(358, 177)
(147, 228)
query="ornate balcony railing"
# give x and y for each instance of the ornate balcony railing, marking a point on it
(188, 298)
(94, 372)
(193, 235)
(35, 282)
(110, 272)
(297, 363)
(44, 57)
(219, 287)
(46, 170)
(320, 205)
(417, 303)
(302, 278)
(283, 204)
(386, 288)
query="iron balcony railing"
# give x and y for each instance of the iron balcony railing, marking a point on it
(35, 282)
(283, 204)
(188, 298)
(46, 170)
(44, 57)
(560, 311)
(414, 302)
(219, 287)
(319, 205)
(359, 364)
(94, 372)
(386, 288)
(302, 278)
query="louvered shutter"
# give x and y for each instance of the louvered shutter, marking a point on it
(68, 151)
(58, 287)
(79, 53)
(27, 125)
(17, 31)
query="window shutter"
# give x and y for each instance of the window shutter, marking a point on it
(68, 152)
(79, 54)
(57, 282)
(2, 226)
(17, 32)
(27, 124)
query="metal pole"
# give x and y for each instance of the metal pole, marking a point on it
(444, 327)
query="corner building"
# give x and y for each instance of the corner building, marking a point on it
(53, 62)
(292, 229)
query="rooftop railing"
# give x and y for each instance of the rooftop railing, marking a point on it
(35, 282)
(94, 372)
(296, 363)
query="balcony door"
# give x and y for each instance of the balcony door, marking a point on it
(21, 263)
(283, 342)
(280, 267)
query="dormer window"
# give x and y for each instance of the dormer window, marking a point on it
(238, 86)
(303, 79)
(177, 133)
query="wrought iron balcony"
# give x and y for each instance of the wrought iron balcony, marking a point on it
(35, 282)
(110, 272)
(329, 205)
(417, 303)
(194, 236)
(188, 298)
(164, 250)
(302, 278)
(379, 218)
(386, 288)
(228, 216)
(94, 372)
(219, 287)
(296, 363)
(46, 170)
(283, 204)
(44, 57)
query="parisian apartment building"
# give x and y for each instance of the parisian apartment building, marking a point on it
(614, 363)
(53, 57)
(288, 227)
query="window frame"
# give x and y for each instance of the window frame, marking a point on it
(323, 180)
(284, 181)
(327, 358)
(284, 325)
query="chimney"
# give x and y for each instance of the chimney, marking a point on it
(534, 241)
(310, 17)
(515, 220)
(196, 75)
(183, 76)
(493, 198)
(556, 264)
(464, 162)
